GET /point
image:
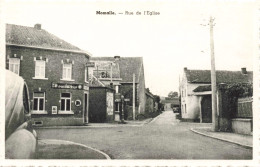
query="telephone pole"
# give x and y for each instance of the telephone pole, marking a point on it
(133, 96)
(213, 78)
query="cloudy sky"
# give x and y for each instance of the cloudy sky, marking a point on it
(167, 42)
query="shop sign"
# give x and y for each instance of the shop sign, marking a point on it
(67, 86)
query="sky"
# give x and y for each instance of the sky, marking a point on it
(168, 42)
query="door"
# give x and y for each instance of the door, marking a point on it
(206, 109)
(86, 108)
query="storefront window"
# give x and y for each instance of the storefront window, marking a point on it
(38, 101)
(65, 102)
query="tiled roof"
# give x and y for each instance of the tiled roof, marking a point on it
(33, 37)
(127, 66)
(204, 76)
(202, 88)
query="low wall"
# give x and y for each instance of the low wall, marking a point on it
(64, 121)
(242, 126)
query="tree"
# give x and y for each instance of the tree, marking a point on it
(173, 94)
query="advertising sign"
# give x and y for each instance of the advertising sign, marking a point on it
(54, 110)
(110, 103)
(67, 86)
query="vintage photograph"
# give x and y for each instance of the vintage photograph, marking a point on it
(129, 80)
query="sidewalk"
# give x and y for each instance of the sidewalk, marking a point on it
(100, 125)
(60, 149)
(239, 139)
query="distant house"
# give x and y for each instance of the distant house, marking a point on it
(52, 69)
(119, 72)
(195, 87)
(169, 102)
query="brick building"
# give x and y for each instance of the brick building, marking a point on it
(122, 78)
(52, 69)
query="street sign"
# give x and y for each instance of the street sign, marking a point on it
(127, 99)
(117, 100)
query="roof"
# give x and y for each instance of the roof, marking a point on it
(202, 88)
(204, 76)
(127, 66)
(149, 93)
(35, 37)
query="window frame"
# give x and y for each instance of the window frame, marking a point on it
(38, 111)
(13, 62)
(66, 70)
(38, 64)
(65, 111)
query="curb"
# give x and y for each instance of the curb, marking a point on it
(226, 140)
(95, 126)
(70, 142)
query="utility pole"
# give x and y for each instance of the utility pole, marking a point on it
(213, 79)
(133, 96)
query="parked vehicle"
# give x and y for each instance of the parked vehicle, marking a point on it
(20, 138)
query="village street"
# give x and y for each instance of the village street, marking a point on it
(163, 138)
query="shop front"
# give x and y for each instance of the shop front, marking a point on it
(60, 104)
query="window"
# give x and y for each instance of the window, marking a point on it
(14, 65)
(39, 69)
(38, 101)
(65, 102)
(67, 71)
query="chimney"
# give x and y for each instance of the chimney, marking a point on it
(243, 70)
(116, 58)
(38, 26)
(185, 69)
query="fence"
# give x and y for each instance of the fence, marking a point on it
(244, 108)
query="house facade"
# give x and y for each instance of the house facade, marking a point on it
(119, 72)
(52, 69)
(195, 90)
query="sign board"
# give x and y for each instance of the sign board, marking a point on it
(117, 100)
(90, 64)
(67, 86)
(54, 110)
(127, 99)
(78, 103)
(110, 103)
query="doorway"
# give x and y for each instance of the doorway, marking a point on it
(206, 109)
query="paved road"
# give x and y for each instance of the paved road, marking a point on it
(163, 138)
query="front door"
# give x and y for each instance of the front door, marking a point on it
(206, 109)
(86, 108)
